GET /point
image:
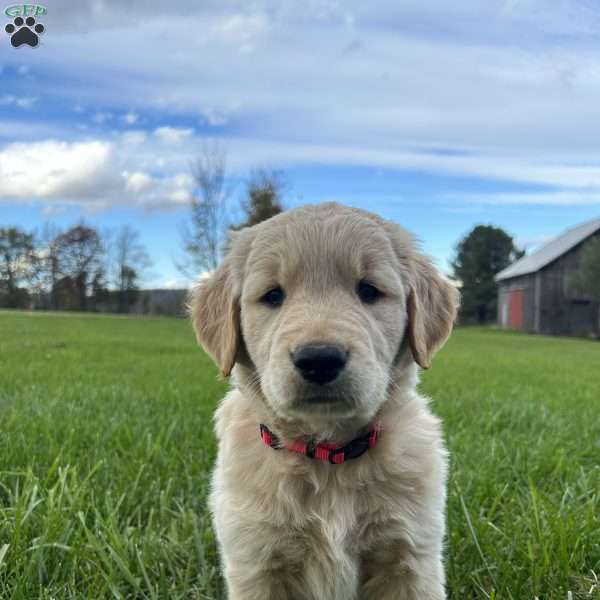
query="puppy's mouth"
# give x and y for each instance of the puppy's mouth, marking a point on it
(321, 399)
(324, 400)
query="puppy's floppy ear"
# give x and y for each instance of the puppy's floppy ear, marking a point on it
(215, 312)
(431, 305)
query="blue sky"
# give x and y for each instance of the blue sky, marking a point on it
(438, 115)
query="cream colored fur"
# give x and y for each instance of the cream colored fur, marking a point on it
(292, 528)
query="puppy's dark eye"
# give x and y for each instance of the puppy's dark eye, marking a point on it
(274, 297)
(367, 292)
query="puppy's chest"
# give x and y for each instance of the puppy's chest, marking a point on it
(336, 512)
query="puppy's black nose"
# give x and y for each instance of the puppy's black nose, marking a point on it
(319, 363)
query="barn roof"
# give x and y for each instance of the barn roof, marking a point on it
(550, 251)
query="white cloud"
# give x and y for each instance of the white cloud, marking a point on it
(25, 102)
(243, 30)
(137, 182)
(134, 138)
(87, 173)
(130, 118)
(172, 135)
(102, 117)
(21, 102)
(180, 188)
(53, 169)
(215, 117)
(159, 193)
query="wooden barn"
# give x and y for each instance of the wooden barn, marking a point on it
(535, 293)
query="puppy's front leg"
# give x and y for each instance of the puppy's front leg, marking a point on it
(261, 564)
(279, 563)
(395, 572)
(256, 583)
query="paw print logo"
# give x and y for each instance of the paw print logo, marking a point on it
(24, 31)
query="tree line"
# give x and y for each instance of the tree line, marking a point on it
(84, 269)
(79, 268)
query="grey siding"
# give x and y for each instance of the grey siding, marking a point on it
(563, 311)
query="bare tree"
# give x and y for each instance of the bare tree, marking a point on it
(202, 237)
(79, 254)
(129, 259)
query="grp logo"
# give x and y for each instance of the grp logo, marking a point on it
(25, 10)
(24, 30)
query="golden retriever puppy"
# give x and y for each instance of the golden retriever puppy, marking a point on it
(331, 469)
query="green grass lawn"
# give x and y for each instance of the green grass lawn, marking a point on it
(106, 447)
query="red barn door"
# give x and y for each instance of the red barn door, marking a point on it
(515, 309)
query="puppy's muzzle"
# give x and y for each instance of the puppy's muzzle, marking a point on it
(319, 363)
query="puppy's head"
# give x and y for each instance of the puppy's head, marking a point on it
(319, 307)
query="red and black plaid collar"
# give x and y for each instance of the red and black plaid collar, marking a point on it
(329, 452)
